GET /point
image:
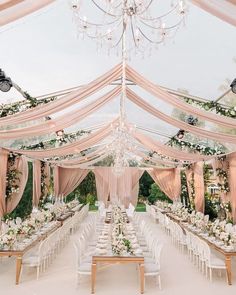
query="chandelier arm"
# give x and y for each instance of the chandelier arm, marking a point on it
(166, 28)
(98, 24)
(146, 8)
(160, 16)
(148, 39)
(133, 35)
(105, 34)
(103, 10)
(120, 39)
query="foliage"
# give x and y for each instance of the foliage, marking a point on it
(24, 207)
(200, 148)
(145, 183)
(12, 177)
(60, 140)
(210, 208)
(20, 106)
(141, 207)
(90, 199)
(85, 190)
(157, 195)
(213, 106)
(184, 189)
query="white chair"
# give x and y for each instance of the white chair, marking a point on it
(38, 259)
(82, 268)
(212, 261)
(153, 269)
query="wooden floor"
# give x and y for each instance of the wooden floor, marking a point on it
(179, 276)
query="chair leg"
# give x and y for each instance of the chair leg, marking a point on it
(38, 272)
(159, 281)
(210, 269)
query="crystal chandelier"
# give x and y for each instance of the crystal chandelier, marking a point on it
(122, 142)
(137, 19)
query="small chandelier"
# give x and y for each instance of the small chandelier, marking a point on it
(122, 143)
(133, 18)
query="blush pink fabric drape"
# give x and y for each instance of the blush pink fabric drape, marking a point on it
(8, 205)
(232, 183)
(36, 182)
(56, 180)
(102, 183)
(158, 92)
(74, 147)
(11, 10)
(66, 101)
(161, 148)
(222, 137)
(168, 180)
(22, 166)
(67, 179)
(199, 199)
(188, 173)
(3, 173)
(223, 9)
(123, 189)
(62, 121)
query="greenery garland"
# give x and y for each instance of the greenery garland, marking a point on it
(213, 106)
(192, 193)
(20, 106)
(12, 177)
(200, 148)
(61, 140)
(222, 173)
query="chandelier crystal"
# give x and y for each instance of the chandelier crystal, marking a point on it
(138, 19)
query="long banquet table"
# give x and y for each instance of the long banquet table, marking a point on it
(117, 259)
(19, 252)
(227, 254)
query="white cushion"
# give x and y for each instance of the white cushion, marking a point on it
(151, 268)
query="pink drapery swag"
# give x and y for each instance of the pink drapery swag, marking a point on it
(232, 183)
(199, 188)
(74, 147)
(123, 189)
(11, 10)
(195, 177)
(3, 173)
(63, 121)
(222, 137)
(21, 164)
(223, 9)
(66, 101)
(66, 180)
(168, 180)
(36, 182)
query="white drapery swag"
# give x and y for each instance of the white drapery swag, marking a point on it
(123, 189)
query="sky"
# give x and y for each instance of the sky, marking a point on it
(42, 54)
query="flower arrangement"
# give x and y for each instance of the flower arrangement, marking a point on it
(12, 177)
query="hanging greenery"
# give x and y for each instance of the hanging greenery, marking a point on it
(20, 106)
(213, 106)
(12, 177)
(200, 148)
(58, 141)
(184, 190)
(222, 173)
